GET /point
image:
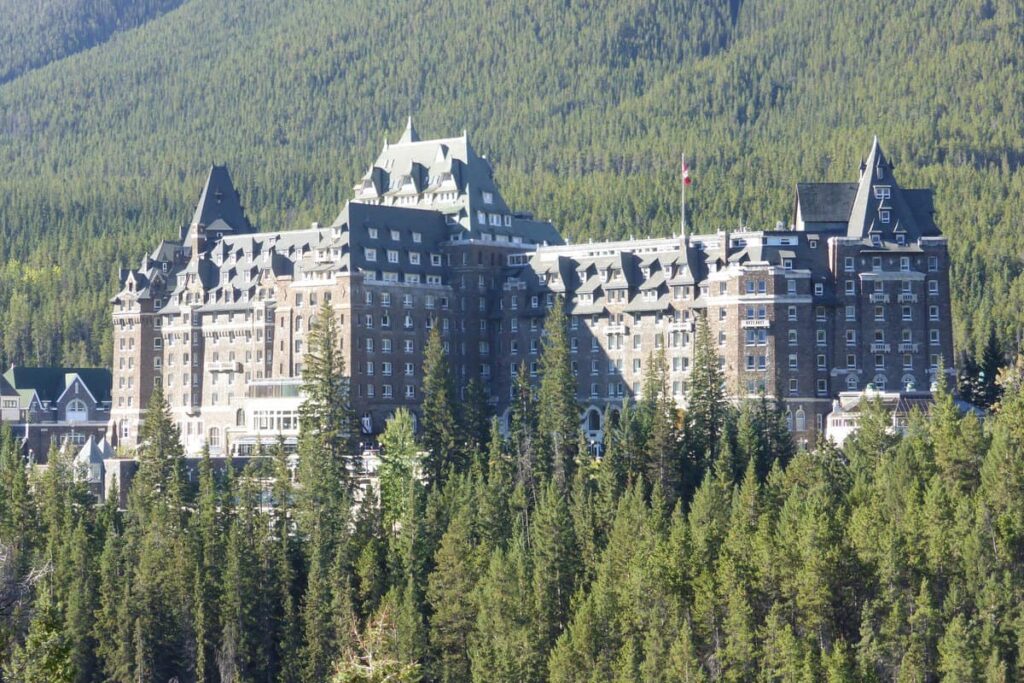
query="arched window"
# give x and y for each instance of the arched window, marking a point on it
(851, 382)
(76, 411)
(613, 417)
(801, 420)
(594, 420)
(214, 437)
(907, 383)
(240, 418)
(879, 382)
(789, 419)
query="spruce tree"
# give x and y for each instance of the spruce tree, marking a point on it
(555, 565)
(523, 431)
(474, 422)
(706, 406)
(327, 436)
(664, 466)
(450, 595)
(439, 436)
(557, 409)
(400, 463)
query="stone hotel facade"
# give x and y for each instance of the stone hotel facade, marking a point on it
(855, 293)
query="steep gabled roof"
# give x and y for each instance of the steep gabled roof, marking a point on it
(912, 213)
(50, 383)
(219, 201)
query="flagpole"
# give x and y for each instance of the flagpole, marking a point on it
(682, 196)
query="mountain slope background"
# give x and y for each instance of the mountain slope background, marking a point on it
(584, 106)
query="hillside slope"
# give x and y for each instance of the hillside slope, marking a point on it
(585, 107)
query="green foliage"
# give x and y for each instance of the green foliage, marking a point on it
(439, 438)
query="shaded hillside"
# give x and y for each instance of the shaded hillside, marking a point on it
(34, 33)
(583, 106)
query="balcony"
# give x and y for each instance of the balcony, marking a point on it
(880, 347)
(755, 323)
(224, 366)
(908, 298)
(879, 298)
(685, 325)
(908, 347)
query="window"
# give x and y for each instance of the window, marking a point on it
(435, 259)
(801, 420)
(933, 337)
(488, 197)
(876, 263)
(848, 264)
(884, 215)
(792, 338)
(793, 388)
(822, 360)
(882, 191)
(879, 360)
(370, 254)
(851, 312)
(214, 437)
(791, 286)
(851, 337)
(933, 264)
(417, 237)
(820, 337)
(904, 263)
(822, 387)
(851, 287)
(933, 287)
(414, 258)
(791, 312)
(880, 313)
(851, 360)
(907, 314)
(392, 256)
(933, 312)
(851, 382)
(792, 361)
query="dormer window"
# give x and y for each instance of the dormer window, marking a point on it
(901, 239)
(787, 264)
(876, 240)
(884, 215)
(882, 192)
(488, 197)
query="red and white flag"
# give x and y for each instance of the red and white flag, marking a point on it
(686, 173)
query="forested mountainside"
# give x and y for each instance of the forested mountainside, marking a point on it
(35, 33)
(583, 106)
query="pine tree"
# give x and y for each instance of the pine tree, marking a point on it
(495, 518)
(474, 422)
(327, 426)
(664, 466)
(502, 648)
(557, 409)
(450, 594)
(555, 565)
(400, 462)
(992, 361)
(439, 434)
(706, 406)
(81, 605)
(523, 431)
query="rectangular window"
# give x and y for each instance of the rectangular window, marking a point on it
(370, 254)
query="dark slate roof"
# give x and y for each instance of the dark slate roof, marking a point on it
(50, 383)
(6, 389)
(219, 201)
(826, 202)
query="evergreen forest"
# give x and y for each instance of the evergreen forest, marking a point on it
(111, 112)
(704, 546)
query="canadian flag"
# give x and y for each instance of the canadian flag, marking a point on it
(686, 173)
